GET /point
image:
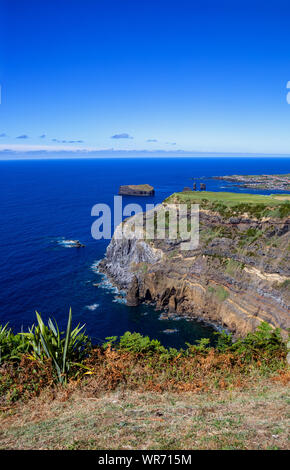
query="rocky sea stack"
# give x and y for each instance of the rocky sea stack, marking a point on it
(137, 190)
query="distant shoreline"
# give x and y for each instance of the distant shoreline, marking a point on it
(280, 182)
(128, 155)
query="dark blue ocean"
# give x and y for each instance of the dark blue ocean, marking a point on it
(45, 201)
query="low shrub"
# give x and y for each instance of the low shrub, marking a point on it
(12, 346)
(48, 356)
(264, 342)
(41, 342)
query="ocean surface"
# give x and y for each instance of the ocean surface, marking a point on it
(44, 202)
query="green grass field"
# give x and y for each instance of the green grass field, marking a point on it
(236, 204)
(230, 199)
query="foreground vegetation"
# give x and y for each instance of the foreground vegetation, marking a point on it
(58, 391)
(45, 356)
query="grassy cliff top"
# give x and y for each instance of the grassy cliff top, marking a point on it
(231, 199)
(228, 204)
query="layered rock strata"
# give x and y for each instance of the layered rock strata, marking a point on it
(237, 277)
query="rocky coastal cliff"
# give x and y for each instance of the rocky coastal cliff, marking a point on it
(237, 277)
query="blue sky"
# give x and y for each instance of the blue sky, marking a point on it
(206, 76)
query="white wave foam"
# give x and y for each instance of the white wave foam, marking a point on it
(92, 307)
(105, 283)
(108, 286)
(67, 243)
(119, 300)
(95, 268)
(170, 331)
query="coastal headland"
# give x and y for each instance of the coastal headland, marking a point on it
(238, 276)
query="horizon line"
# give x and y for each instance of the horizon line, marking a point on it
(9, 155)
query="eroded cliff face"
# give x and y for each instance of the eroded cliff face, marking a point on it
(237, 277)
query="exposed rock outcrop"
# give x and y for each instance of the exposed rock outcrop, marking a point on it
(237, 277)
(123, 254)
(133, 293)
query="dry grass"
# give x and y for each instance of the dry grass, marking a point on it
(199, 372)
(207, 400)
(108, 369)
(79, 418)
(282, 197)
